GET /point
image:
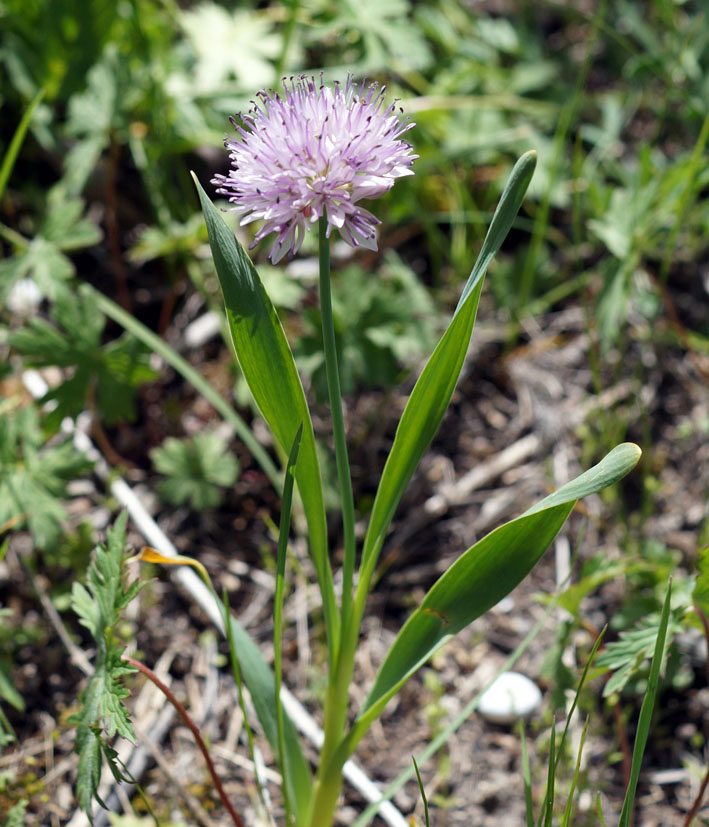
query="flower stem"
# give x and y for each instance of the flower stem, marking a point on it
(338, 427)
(328, 783)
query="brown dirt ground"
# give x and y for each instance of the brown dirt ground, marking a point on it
(542, 389)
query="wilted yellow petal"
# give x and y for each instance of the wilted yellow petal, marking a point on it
(151, 555)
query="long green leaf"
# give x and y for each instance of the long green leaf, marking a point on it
(261, 683)
(435, 744)
(8, 162)
(482, 576)
(433, 390)
(646, 710)
(198, 382)
(283, 530)
(269, 369)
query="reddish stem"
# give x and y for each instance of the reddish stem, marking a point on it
(182, 712)
(697, 801)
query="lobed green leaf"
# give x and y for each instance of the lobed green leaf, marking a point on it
(102, 713)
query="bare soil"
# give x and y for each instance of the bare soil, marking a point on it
(542, 403)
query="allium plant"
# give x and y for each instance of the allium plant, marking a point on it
(315, 153)
(306, 157)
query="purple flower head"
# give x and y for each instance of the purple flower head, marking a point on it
(316, 151)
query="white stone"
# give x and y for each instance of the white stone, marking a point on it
(510, 697)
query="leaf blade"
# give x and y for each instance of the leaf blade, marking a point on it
(484, 574)
(269, 369)
(261, 684)
(646, 711)
(433, 390)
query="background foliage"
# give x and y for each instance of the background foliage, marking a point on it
(137, 93)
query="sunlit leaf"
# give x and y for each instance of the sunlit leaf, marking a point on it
(483, 575)
(267, 363)
(432, 393)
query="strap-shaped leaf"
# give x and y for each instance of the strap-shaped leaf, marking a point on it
(283, 530)
(434, 388)
(261, 683)
(482, 576)
(270, 372)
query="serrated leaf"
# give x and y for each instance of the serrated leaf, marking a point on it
(626, 656)
(384, 32)
(64, 225)
(105, 374)
(34, 475)
(238, 44)
(90, 117)
(43, 259)
(196, 469)
(86, 608)
(102, 714)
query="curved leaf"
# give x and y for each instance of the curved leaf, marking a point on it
(482, 576)
(269, 369)
(434, 388)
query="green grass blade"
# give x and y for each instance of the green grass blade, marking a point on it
(283, 531)
(482, 576)
(260, 681)
(433, 390)
(548, 809)
(646, 710)
(526, 777)
(236, 672)
(423, 793)
(584, 675)
(269, 369)
(198, 382)
(8, 162)
(565, 821)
